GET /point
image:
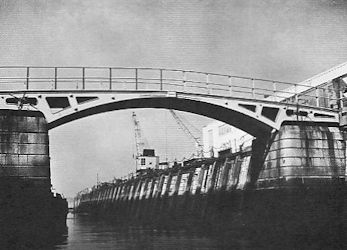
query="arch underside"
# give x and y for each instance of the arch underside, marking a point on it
(229, 116)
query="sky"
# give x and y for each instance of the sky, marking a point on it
(280, 40)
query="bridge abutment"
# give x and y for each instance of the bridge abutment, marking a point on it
(27, 205)
(24, 154)
(26, 200)
(304, 154)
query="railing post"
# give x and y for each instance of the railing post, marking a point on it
(253, 88)
(230, 86)
(110, 75)
(83, 78)
(184, 81)
(28, 76)
(296, 93)
(207, 83)
(55, 78)
(317, 96)
(161, 79)
(136, 78)
(274, 85)
(325, 101)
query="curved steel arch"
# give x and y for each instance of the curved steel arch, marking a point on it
(256, 117)
(242, 121)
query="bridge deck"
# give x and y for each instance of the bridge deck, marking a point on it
(108, 79)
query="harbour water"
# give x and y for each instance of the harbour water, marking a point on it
(87, 233)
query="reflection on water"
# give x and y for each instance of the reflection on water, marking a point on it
(86, 233)
(30, 234)
(89, 234)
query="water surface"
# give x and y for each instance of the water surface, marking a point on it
(90, 234)
(87, 233)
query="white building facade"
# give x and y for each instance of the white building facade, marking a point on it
(218, 136)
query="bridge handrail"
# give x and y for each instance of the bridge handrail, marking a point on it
(142, 78)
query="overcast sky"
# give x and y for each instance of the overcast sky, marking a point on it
(281, 40)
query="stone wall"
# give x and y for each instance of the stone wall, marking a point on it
(24, 148)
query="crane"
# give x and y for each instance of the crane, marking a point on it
(139, 139)
(145, 158)
(188, 132)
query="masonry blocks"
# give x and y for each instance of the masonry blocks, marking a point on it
(24, 147)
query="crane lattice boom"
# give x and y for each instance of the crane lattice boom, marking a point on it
(186, 130)
(139, 140)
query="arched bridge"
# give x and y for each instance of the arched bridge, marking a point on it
(256, 106)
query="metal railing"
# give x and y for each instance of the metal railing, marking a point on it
(123, 78)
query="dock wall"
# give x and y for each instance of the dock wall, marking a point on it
(302, 178)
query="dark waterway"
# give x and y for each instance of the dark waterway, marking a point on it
(87, 233)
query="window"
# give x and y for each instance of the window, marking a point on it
(224, 129)
(143, 161)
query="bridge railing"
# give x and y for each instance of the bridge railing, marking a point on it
(123, 78)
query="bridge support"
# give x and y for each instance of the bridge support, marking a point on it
(304, 154)
(24, 153)
(26, 201)
(300, 189)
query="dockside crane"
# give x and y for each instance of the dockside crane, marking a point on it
(139, 139)
(187, 131)
(145, 158)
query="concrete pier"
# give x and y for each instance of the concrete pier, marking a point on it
(304, 153)
(25, 183)
(24, 149)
